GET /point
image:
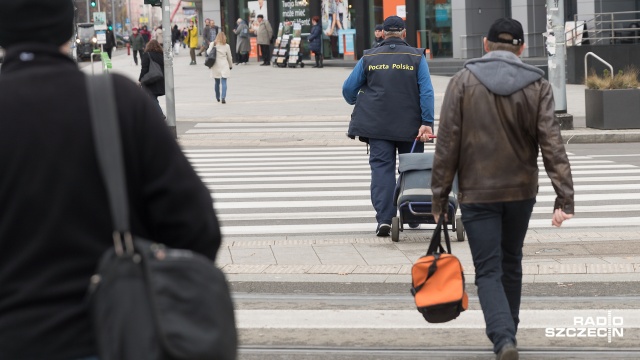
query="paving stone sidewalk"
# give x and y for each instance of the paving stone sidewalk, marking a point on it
(561, 256)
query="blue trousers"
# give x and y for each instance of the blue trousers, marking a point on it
(224, 88)
(496, 233)
(382, 160)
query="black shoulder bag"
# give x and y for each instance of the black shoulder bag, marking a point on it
(211, 57)
(149, 301)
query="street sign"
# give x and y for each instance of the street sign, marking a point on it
(118, 26)
(100, 20)
(143, 20)
(101, 36)
(127, 21)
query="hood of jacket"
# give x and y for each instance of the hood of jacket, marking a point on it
(503, 73)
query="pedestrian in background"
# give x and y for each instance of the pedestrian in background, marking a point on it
(145, 34)
(264, 34)
(192, 41)
(205, 37)
(490, 131)
(379, 36)
(315, 41)
(243, 42)
(393, 106)
(185, 33)
(176, 39)
(110, 43)
(221, 69)
(56, 219)
(158, 35)
(137, 44)
(153, 51)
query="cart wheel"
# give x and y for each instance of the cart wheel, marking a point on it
(460, 233)
(395, 229)
(301, 65)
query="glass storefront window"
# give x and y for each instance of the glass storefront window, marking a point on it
(434, 27)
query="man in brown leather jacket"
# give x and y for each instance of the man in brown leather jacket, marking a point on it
(497, 113)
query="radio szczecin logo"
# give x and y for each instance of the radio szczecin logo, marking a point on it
(590, 327)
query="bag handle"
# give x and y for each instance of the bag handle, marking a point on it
(436, 238)
(108, 147)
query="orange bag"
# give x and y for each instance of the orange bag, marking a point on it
(438, 281)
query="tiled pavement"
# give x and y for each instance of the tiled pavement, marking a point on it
(548, 257)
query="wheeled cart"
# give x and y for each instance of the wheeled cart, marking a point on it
(413, 196)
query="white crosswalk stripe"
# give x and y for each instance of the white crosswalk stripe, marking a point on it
(309, 190)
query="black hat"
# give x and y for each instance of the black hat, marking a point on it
(42, 21)
(379, 27)
(393, 23)
(506, 26)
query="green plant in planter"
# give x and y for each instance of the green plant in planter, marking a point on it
(627, 79)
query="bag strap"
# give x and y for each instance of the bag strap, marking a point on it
(436, 238)
(432, 270)
(108, 147)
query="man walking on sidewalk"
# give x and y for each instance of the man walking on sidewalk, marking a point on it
(391, 89)
(491, 128)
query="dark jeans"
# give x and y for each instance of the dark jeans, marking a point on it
(382, 159)
(496, 233)
(264, 51)
(135, 56)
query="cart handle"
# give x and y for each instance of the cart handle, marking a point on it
(418, 138)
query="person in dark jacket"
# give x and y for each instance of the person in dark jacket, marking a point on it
(176, 39)
(56, 221)
(391, 89)
(379, 36)
(137, 44)
(111, 42)
(153, 51)
(491, 129)
(315, 40)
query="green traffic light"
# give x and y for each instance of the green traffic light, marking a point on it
(93, 4)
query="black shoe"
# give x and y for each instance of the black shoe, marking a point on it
(264, 64)
(199, 54)
(508, 352)
(218, 100)
(315, 66)
(224, 102)
(383, 230)
(414, 225)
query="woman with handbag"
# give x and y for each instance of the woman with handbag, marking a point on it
(221, 69)
(153, 53)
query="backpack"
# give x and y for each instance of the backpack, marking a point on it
(211, 57)
(438, 281)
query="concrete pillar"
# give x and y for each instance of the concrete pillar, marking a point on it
(532, 15)
(459, 27)
(211, 10)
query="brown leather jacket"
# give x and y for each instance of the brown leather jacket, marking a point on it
(497, 112)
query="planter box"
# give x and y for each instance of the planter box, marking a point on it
(613, 109)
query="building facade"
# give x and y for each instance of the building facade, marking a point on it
(449, 28)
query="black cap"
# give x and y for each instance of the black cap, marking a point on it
(379, 27)
(42, 21)
(393, 23)
(506, 26)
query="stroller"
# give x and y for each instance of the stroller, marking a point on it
(412, 195)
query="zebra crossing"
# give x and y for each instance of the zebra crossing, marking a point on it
(325, 190)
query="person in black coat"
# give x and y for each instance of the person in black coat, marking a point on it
(153, 51)
(111, 42)
(56, 221)
(315, 41)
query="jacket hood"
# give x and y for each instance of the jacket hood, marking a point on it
(503, 73)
